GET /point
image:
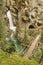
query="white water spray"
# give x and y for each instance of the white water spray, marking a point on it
(12, 27)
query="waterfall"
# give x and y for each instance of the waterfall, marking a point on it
(12, 27)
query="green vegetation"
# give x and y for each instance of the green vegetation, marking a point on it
(7, 46)
(12, 59)
(1, 24)
(37, 55)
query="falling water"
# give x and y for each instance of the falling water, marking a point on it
(12, 27)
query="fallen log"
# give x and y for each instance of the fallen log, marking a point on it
(32, 47)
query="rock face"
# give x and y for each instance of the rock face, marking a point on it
(27, 16)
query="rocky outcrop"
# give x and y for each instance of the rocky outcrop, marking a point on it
(27, 16)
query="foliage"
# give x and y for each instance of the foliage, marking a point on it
(37, 55)
(41, 38)
(33, 32)
(7, 46)
(1, 23)
(11, 59)
(26, 39)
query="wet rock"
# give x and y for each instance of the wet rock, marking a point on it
(26, 14)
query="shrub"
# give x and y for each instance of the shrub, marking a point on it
(12, 59)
